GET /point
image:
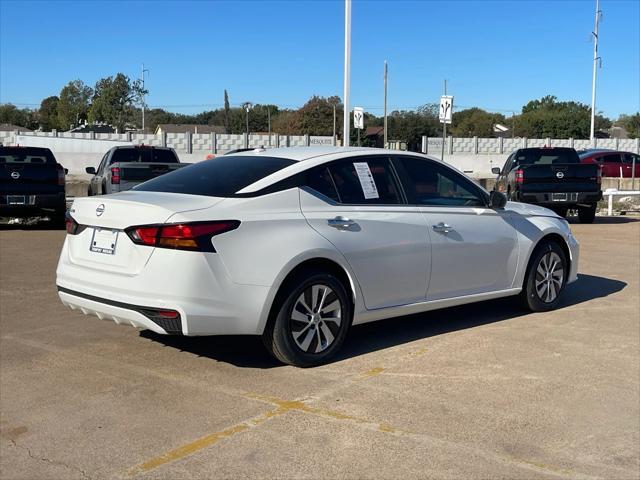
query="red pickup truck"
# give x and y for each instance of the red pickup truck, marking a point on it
(613, 163)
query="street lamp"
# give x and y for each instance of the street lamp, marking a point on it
(247, 106)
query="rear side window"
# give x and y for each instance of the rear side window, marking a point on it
(221, 177)
(613, 158)
(432, 184)
(365, 181)
(319, 179)
(20, 155)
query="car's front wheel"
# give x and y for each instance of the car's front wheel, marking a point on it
(311, 320)
(545, 278)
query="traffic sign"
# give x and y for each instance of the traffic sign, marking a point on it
(446, 108)
(358, 117)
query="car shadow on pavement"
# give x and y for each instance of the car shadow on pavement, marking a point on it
(248, 351)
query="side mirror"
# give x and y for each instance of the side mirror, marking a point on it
(497, 199)
(495, 170)
(90, 170)
(66, 171)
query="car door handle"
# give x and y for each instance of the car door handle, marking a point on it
(442, 227)
(340, 222)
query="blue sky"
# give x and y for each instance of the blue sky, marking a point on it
(495, 54)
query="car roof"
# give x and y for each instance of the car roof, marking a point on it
(309, 157)
(299, 154)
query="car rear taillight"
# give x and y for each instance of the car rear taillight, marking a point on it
(60, 175)
(520, 176)
(194, 236)
(73, 227)
(599, 175)
(115, 175)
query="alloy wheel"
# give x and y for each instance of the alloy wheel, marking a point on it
(316, 318)
(549, 277)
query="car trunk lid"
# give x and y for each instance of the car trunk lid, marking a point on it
(102, 242)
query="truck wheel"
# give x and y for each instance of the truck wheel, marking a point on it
(57, 220)
(545, 277)
(587, 214)
(562, 211)
(311, 322)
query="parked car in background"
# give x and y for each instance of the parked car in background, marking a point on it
(613, 163)
(32, 183)
(553, 178)
(124, 167)
(298, 244)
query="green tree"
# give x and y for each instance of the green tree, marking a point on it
(548, 117)
(631, 124)
(114, 101)
(21, 117)
(410, 126)
(48, 113)
(475, 122)
(73, 104)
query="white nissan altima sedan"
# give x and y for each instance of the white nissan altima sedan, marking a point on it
(298, 244)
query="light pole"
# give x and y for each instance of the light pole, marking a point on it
(247, 106)
(595, 69)
(347, 72)
(385, 105)
(144, 70)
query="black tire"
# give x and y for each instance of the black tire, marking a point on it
(280, 334)
(534, 295)
(587, 214)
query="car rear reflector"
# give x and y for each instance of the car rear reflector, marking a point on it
(195, 236)
(115, 175)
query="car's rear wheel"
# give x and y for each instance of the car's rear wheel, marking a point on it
(545, 278)
(587, 214)
(311, 320)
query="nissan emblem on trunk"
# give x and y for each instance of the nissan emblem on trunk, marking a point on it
(100, 209)
(560, 175)
(15, 175)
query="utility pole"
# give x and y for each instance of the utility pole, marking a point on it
(347, 72)
(595, 69)
(444, 126)
(385, 104)
(269, 123)
(142, 78)
(334, 124)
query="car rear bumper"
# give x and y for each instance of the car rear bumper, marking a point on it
(549, 199)
(21, 205)
(196, 285)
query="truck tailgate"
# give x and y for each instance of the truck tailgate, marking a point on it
(564, 177)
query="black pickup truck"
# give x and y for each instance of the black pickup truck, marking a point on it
(553, 178)
(31, 184)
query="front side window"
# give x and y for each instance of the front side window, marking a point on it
(365, 181)
(220, 177)
(435, 185)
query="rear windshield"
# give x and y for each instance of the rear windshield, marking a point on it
(221, 177)
(26, 155)
(148, 155)
(546, 156)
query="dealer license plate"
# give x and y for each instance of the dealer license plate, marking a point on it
(559, 197)
(104, 241)
(16, 200)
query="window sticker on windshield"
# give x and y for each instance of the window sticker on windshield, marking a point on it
(366, 180)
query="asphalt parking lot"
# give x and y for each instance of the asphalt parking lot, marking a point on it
(470, 392)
